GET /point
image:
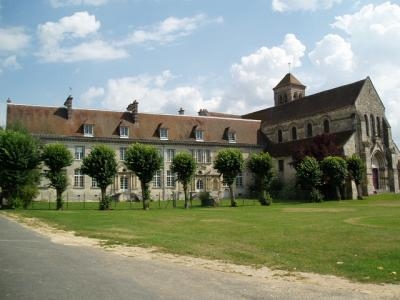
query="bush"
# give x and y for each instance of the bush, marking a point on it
(207, 200)
(104, 205)
(265, 199)
(316, 196)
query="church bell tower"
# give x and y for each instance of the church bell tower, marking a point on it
(288, 89)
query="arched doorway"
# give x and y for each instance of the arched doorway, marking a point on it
(378, 171)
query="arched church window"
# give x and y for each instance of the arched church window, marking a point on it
(366, 124)
(326, 126)
(378, 126)
(280, 137)
(294, 133)
(295, 95)
(309, 130)
(373, 133)
(280, 99)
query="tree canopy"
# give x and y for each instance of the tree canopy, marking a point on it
(57, 157)
(229, 163)
(261, 165)
(144, 161)
(356, 169)
(334, 169)
(101, 165)
(184, 166)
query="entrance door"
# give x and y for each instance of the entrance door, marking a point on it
(375, 178)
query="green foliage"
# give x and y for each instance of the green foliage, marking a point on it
(356, 168)
(19, 160)
(229, 163)
(184, 166)
(101, 165)
(261, 165)
(144, 161)
(57, 157)
(309, 177)
(334, 170)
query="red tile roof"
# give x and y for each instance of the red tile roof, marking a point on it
(53, 122)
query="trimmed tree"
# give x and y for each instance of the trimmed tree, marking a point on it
(356, 169)
(144, 161)
(334, 170)
(19, 161)
(101, 165)
(309, 176)
(57, 157)
(229, 163)
(261, 165)
(184, 166)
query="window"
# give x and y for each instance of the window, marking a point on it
(123, 182)
(281, 165)
(157, 179)
(366, 124)
(200, 185)
(163, 133)
(124, 132)
(378, 126)
(294, 133)
(309, 130)
(202, 155)
(199, 135)
(122, 152)
(78, 179)
(231, 137)
(94, 183)
(79, 152)
(373, 133)
(170, 155)
(88, 129)
(170, 179)
(280, 136)
(239, 180)
(326, 126)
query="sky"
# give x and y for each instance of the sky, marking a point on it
(223, 56)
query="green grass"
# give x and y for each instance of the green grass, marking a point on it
(359, 240)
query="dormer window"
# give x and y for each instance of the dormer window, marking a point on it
(88, 130)
(231, 137)
(124, 132)
(163, 133)
(199, 135)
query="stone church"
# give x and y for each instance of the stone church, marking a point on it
(353, 113)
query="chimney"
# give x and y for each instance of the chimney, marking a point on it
(133, 109)
(68, 106)
(203, 112)
(181, 111)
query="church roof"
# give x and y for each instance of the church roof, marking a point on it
(54, 122)
(289, 79)
(288, 148)
(311, 105)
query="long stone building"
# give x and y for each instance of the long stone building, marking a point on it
(353, 113)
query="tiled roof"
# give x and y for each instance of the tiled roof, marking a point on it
(53, 121)
(288, 148)
(308, 106)
(289, 79)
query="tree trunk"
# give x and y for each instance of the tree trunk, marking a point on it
(338, 195)
(145, 195)
(232, 194)
(359, 192)
(59, 199)
(186, 196)
(103, 205)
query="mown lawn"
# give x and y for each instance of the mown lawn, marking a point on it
(357, 239)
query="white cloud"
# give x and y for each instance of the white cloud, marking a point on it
(62, 3)
(153, 94)
(332, 54)
(11, 63)
(13, 39)
(62, 41)
(293, 5)
(256, 74)
(169, 30)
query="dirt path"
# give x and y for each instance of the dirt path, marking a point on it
(366, 291)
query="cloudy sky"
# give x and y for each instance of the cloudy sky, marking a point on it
(223, 55)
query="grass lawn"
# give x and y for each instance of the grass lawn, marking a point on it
(356, 239)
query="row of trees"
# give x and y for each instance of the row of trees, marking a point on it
(21, 156)
(331, 172)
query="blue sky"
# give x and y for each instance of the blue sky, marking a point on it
(224, 55)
